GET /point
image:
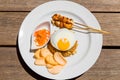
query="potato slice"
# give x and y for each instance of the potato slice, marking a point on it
(40, 61)
(59, 58)
(37, 54)
(45, 52)
(50, 60)
(56, 69)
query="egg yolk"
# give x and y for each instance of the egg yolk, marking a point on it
(63, 44)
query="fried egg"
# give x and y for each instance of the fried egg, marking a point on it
(63, 39)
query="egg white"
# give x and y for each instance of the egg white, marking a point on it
(60, 34)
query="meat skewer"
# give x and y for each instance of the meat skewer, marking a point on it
(64, 22)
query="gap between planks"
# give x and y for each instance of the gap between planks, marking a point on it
(90, 11)
(103, 47)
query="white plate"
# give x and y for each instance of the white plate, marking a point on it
(89, 45)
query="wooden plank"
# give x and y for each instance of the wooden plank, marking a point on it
(10, 67)
(92, 5)
(10, 23)
(9, 26)
(106, 67)
(110, 22)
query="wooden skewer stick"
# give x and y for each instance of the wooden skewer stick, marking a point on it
(91, 29)
(78, 27)
(65, 22)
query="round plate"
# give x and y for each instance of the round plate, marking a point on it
(89, 44)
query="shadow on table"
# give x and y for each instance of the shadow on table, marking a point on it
(31, 72)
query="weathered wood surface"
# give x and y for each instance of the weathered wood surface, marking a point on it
(93, 5)
(10, 23)
(107, 66)
(12, 13)
(10, 67)
(9, 26)
(110, 22)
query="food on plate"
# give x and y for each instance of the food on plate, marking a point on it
(59, 58)
(40, 61)
(62, 21)
(37, 54)
(62, 43)
(50, 60)
(45, 52)
(55, 69)
(49, 66)
(65, 22)
(62, 24)
(40, 36)
(53, 62)
(67, 53)
(63, 39)
(58, 17)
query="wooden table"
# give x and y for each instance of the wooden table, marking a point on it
(12, 13)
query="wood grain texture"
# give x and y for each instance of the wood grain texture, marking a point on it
(106, 67)
(92, 5)
(9, 26)
(10, 23)
(10, 67)
(13, 12)
(110, 22)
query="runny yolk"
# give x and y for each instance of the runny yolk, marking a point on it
(63, 44)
